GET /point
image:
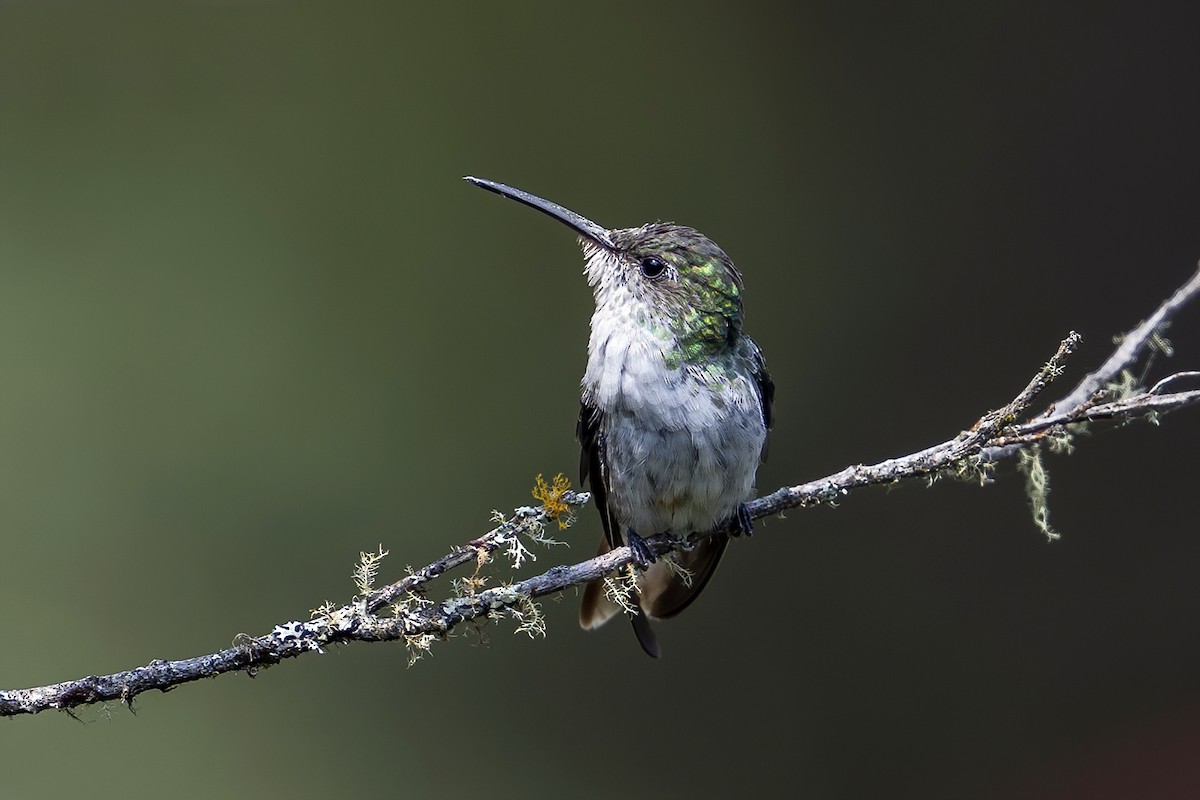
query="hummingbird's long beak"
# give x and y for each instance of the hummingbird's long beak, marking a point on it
(582, 225)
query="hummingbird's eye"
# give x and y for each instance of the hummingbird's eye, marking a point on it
(653, 266)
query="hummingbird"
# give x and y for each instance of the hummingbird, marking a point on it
(675, 405)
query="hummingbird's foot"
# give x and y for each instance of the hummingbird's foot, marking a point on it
(642, 554)
(741, 522)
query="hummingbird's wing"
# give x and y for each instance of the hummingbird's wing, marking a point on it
(766, 392)
(596, 609)
(592, 465)
(664, 593)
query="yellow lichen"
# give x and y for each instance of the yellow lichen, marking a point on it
(551, 497)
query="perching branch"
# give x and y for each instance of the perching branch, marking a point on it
(402, 612)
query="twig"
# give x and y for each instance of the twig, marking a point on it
(1132, 345)
(1172, 378)
(410, 617)
(523, 521)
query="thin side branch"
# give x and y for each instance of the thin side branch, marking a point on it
(1147, 334)
(402, 612)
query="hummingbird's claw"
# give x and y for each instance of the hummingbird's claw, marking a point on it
(642, 554)
(741, 521)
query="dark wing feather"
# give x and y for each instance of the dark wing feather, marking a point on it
(766, 394)
(645, 635)
(592, 469)
(671, 594)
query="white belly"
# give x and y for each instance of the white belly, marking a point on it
(680, 480)
(681, 446)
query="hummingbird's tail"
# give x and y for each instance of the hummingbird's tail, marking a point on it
(663, 591)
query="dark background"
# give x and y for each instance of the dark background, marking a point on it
(252, 322)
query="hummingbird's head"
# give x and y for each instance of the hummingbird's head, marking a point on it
(676, 273)
(664, 275)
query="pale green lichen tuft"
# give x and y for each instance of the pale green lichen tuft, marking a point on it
(468, 586)
(622, 588)
(367, 570)
(419, 645)
(1124, 387)
(682, 572)
(518, 552)
(972, 468)
(323, 611)
(408, 611)
(529, 617)
(1061, 440)
(1161, 343)
(1037, 486)
(529, 522)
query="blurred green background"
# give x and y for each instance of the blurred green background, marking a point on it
(252, 322)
